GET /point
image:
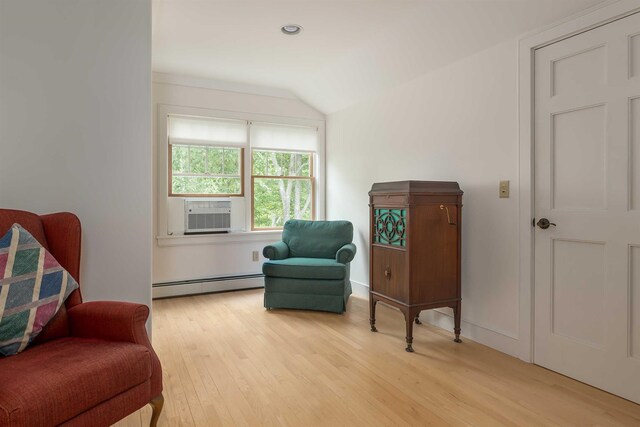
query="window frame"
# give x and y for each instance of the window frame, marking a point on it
(170, 171)
(311, 178)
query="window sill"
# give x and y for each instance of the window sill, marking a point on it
(219, 239)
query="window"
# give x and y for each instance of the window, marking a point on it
(282, 173)
(282, 187)
(272, 171)
(206, 156)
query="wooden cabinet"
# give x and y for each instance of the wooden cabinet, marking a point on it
(415, 249)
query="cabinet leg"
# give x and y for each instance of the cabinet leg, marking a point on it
(456, 318)
(417, 319)
(372, 313)
(409, 321)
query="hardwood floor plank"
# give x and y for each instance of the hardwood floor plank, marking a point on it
(228, 362)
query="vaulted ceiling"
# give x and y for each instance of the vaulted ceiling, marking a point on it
(348, 50)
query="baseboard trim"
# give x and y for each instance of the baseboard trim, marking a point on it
(206, 286)
(494, 339)
(359, 289)
(482, 335)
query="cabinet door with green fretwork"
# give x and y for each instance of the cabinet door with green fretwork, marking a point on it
(390, 226)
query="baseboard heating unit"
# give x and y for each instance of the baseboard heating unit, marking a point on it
(207, 285)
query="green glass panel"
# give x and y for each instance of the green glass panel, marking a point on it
(390, 226)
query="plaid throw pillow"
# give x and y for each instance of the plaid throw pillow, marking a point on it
(33, 286)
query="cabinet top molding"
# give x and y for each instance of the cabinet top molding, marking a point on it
(416, 187)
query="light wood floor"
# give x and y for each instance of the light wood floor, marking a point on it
(227, 361)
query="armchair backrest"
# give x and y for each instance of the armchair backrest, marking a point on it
(316, 239)
(60, 234)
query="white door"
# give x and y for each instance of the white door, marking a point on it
(587, 182)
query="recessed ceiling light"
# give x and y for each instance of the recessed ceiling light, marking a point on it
(291, 29)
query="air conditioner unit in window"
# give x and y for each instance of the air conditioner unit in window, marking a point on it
(207, 216)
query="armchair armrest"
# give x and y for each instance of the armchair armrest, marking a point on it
(116, 321)
(111, 321)
(278, 250)
(346, 253)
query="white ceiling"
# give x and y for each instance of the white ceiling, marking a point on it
(349, 49)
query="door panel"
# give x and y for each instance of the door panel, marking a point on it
(587, 181)
(577, 297)
(388, 275)
(634, 318)
(634, 49)
(634, 150)
(577, 70)
(579, 185)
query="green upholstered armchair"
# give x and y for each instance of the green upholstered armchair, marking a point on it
(309, 268)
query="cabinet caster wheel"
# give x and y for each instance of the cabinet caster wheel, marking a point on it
(457, 339)
(409, 349)
(374, 329)
(418, 322)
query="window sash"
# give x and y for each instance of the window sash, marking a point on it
(190, 174)
(206, 161)
(311, 178)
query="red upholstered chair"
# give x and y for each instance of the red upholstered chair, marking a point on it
(93, 363)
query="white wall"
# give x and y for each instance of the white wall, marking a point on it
(75, 130)
(196, 257)
(459, 123)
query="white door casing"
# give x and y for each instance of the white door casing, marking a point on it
(587, 181)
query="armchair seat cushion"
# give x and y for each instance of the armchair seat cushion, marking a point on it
(305, 268)
(53, 382)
